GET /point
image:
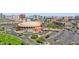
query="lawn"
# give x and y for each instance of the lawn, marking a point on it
(54, 26)
(7, 39)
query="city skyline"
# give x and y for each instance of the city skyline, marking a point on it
(45, 14)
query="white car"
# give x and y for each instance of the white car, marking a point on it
(77, 31)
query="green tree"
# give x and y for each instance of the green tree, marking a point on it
(34, 36)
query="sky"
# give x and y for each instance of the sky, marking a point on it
(46, 14)
(54, 14)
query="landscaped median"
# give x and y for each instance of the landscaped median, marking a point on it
(7, 39)
(38, 39)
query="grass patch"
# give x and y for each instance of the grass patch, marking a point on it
(7, 39)
(54, 26)
(7, 20)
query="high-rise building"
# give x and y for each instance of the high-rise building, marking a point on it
(66, 18)
(12, 17)
(2, 16)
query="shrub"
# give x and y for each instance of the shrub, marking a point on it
(34, 36)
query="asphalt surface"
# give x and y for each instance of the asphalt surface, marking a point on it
(67, 37)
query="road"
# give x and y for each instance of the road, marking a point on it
(24, 37)
(66, 36)
(28, 40)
